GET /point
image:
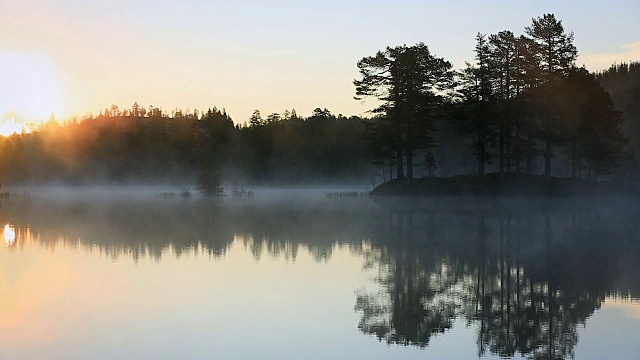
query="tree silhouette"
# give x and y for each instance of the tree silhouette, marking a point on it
(479, 106)
(520, 98)
(591, 124)
(412, 83)
(209, 183)
(557, 55)
(622, 82)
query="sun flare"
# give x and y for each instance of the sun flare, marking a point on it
(30, 90)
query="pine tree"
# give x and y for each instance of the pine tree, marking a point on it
(557, 56)
(502, 56)
(478, 94)
(256, 119)
(412, 84)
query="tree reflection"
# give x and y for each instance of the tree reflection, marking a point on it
(524, 277)
(151, 228)
(525, 280)
(416, 282)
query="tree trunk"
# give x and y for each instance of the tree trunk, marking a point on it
(502, 153)
(529, 150)
(481, 149)
(400, 172)
(574, 159)
(508, 150)
(547, 146)
(517, 129)
(517, 144)
(547, 158)
(384, 173)
(410, 164)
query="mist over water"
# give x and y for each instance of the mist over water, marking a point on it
(334, 276)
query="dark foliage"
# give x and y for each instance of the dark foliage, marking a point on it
(209, 183)
(522, 106)
(120, 148)
(622, 82)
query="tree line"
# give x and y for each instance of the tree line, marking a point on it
(135, 145)
(518, 106)
(521, 106)
(622, 82)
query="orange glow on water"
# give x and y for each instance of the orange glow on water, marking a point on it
(13, 237)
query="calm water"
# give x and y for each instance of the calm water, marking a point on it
(290, 276)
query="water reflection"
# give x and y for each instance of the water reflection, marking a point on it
(141, 229)
(525, 277)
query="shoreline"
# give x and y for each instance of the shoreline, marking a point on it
(499, 185)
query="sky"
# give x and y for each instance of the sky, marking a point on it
(74, 57)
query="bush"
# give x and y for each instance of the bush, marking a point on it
(209, 183)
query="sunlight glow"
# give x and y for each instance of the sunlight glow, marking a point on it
(10, 127)
(9, 235)
(29, 87)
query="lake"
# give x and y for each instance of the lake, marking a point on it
(291, 275)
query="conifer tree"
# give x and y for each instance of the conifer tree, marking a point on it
(412, 84)
(478, 93)
(557, 56)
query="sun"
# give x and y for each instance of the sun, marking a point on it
(30, 89)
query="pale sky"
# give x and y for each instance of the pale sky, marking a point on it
(82, 56)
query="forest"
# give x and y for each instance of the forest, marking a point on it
(521, 106)
(151, 146)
